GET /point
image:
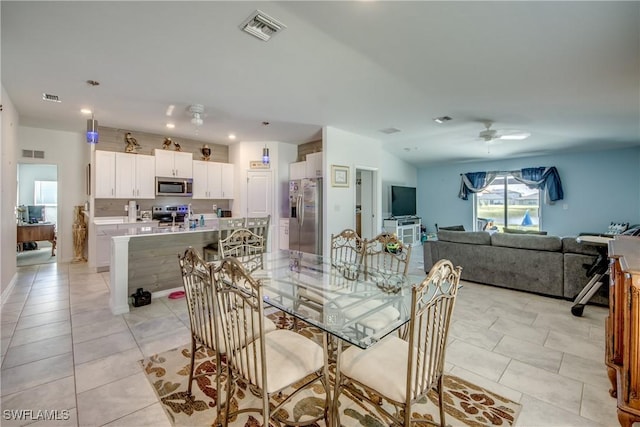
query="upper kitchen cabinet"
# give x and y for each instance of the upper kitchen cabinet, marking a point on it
(297, 170)
(174, 164)
(124, 176)
(212, 180)
(105, 174)
(227, 181)
(314, 165)
(135, 176)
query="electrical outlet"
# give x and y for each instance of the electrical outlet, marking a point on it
(126, 208)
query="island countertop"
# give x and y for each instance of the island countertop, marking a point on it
(154, 230)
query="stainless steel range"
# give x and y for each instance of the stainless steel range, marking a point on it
(165, 214)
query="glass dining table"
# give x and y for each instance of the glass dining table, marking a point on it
(343, 300)
(356, 306)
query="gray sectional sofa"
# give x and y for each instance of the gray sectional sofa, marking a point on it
(547, 265)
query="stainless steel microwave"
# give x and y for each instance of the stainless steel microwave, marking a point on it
(174, 187)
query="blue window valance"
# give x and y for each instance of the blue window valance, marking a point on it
(542, 178)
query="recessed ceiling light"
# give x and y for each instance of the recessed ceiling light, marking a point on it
(171, 125)
(86, 111)
(232, 136)
(442, 119)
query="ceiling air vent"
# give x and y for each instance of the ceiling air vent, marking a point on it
(51, 98)
(261, 25)
(33, 154)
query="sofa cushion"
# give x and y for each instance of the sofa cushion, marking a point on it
(517, 231)
(570, 245)
(453, 228)
(527, 241)
(470, 237)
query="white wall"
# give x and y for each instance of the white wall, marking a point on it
(357, 151)
(8, 190)
(395, 172)
(70, 152)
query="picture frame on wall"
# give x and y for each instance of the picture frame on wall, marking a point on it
(339, 176)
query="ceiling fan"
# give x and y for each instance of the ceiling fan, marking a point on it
(495, 135)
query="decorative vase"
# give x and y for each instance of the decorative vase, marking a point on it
(79, 234)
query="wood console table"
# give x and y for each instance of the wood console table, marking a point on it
(623, 327)
(36, 233)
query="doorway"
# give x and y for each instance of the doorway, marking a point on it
(259, 199)
(36, 203)
(366, 202)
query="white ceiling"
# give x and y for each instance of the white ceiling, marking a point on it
(568, 72)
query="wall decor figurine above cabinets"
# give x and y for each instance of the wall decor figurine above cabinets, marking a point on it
(132, 144)
(206, 153)
(167, 143)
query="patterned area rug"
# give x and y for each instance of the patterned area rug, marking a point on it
(466, 404)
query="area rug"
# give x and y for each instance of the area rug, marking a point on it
(465, 404)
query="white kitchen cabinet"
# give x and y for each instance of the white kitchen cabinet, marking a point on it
(297, 170)
(227, 181)
(105, 174)
(103, 245)
(135, 176)
(314, 165)
(174, 164)
(212, 180)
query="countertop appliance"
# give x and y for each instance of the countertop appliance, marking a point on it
(305, 217)
(164, 214)
(174, 187)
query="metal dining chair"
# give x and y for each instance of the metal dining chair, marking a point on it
(386, 252)
(205, 325)
(402, 372)
(245, 246)
(386, 259)
(347, 249)
(275, 362)
(225, 227)
(259, 226)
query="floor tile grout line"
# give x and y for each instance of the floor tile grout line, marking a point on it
(4, 356)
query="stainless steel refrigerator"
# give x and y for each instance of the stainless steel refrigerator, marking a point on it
(305, 215)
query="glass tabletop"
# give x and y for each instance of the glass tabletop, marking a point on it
(357, 306)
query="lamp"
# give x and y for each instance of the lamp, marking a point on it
(92, 130)
(265, 156)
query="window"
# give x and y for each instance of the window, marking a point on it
(45, 193)
(508, 203)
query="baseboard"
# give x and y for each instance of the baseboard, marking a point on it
(9, 288)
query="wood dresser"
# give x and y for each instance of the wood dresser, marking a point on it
(622, 355)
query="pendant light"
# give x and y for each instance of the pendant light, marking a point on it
(92, 123)
(92, 130)
(265, 155)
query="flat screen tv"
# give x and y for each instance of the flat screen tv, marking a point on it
(403, 201)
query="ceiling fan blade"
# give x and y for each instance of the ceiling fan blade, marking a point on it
(512, 135)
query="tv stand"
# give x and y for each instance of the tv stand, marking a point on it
(406, 228)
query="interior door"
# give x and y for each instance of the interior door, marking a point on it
(259, 198)
(368, 202)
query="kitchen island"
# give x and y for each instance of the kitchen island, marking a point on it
(147, 257)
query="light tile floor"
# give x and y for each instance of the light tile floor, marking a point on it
(62, 349)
